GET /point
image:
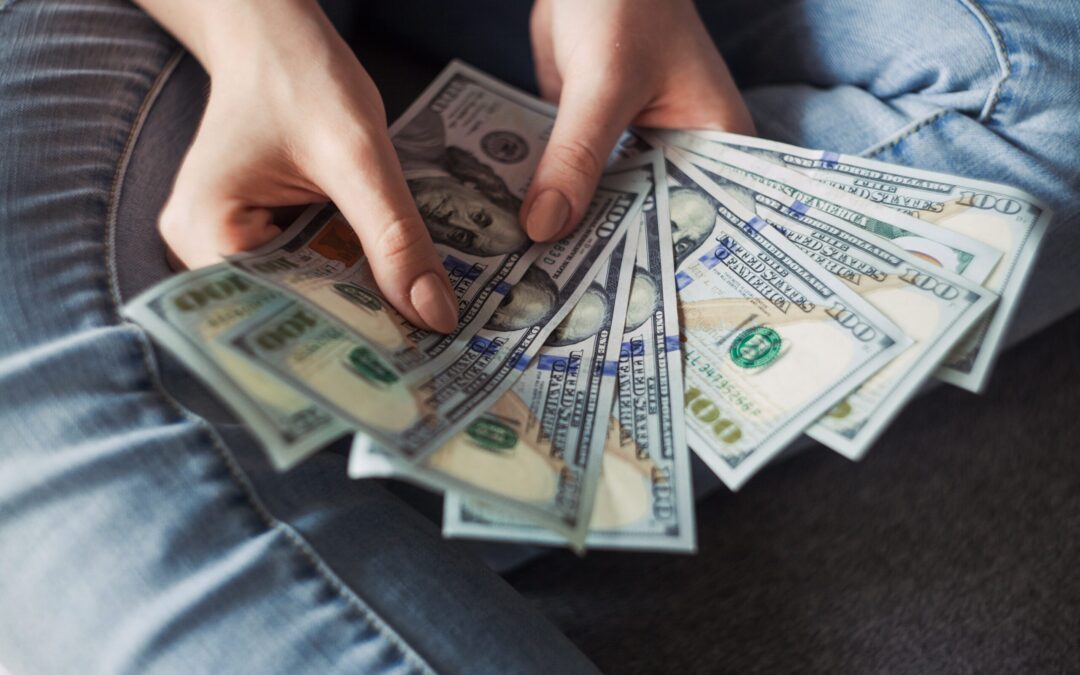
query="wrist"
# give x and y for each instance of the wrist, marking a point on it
(221, 34)
(232, 31)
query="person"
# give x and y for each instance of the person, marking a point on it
(463, 202)
(141, 529)
(290, 149)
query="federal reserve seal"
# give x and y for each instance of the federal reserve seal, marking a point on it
(504, 147)
(755, 347)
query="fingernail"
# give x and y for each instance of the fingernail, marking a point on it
(547, 216)
(434, 302)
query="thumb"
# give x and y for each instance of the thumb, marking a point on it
(589, 122)
(372, 194)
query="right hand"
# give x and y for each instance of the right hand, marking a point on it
(293, 118)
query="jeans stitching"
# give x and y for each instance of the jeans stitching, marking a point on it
(993, 97)
(905, 132)
(120, 173)
(301, 546)
(998, 41)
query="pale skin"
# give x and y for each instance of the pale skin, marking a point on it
(294, 118)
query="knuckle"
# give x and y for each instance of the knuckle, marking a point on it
(576, 159)
(400, 241)
(229, 240)
(609, 76)
(353, 119)
(166, 227)
(612, 70)
(357, 148)
(169, 226)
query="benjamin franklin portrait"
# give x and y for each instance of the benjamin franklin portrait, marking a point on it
(692, 220)
(464, 203)
(644, 298)
(531, 302)
(589, 316)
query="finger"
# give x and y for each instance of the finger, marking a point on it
(370, 190)
(717, 103)
(547, 72)
(217, 209)
(202, 231)
(591, 118)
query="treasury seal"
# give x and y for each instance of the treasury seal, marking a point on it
(367, 365)
(755, 347)
(359, 296)
(504, 147)
(491, 434)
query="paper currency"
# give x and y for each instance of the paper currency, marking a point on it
(932, 306)
(815, 291)
(414, 414)
(318, 259)
(958, 253)
(772, 339)
(1008, 219)
(188, 313)
(645, 497)
(469, 146)
(535, 455)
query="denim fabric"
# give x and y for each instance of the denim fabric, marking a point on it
(980, 88)
(141, 530)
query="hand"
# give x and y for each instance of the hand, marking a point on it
(293, 118)
(609, 64)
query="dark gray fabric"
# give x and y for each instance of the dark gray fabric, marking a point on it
(953, 547)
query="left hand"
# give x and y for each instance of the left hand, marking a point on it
(609, 64)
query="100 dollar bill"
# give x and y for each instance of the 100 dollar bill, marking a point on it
(645, 497)
(932, 306)
(318, 260)
(970, 258)
(188, 313)
(1008, 219)
(412, 413)
(772, 339)
(535, 455)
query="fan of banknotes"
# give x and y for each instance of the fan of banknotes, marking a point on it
(722, 296)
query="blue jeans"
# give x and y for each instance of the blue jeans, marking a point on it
(141, 529)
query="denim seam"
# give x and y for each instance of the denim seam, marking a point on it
(997, 42)
(900, 136)
(120, 173)
(404, 651)
(1002, 53)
